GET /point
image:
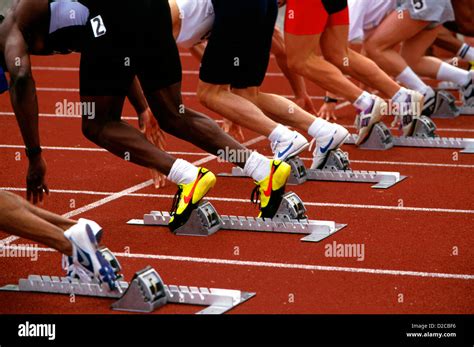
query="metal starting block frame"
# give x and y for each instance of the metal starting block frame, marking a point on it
(423, 136)
(335, 169)
(463, 109)
(145, 293)
(289, 219)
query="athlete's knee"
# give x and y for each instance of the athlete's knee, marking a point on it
(250, 94)
(92, 130)
(297, 64)
(373, 48)
(206, 94)
(209, 94)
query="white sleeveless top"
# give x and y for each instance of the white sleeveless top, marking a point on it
(197, 18)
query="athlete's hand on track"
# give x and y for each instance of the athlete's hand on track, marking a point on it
(328, 111)
(233, 130)
(35, 180)
(152, 131)
(305, 102)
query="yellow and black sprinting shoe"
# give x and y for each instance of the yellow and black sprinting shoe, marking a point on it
(270, 190)
(188, 197)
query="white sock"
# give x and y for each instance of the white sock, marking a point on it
(466, 52)
(410, 79)
(280, 133)
(257, 166)
(364, 101)
(320, 127)
(183, 172)
(401, 95)
(429, 93)
(453, 74)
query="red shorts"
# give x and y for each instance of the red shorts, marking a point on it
(312, 17)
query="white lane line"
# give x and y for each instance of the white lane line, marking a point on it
(135, 188)
(246, 201)
(464, 166)
(273, 265)
(185, 72)
(88, 149)
(76, 90)
(53, 115)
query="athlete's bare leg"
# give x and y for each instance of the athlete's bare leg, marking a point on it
(220, 99)
(381, 46)
(18, 217)
(447, 41)
(303, 59)
(278, 108)
(354, 64)
(126, 142)
(414, 49)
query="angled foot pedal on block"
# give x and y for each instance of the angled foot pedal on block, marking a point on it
(445, 106)
(145, 293)
(289, 219)
(380, 139)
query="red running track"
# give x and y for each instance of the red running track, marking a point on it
(417, 236)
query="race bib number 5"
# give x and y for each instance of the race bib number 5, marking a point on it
(98, 26)
(418, 5)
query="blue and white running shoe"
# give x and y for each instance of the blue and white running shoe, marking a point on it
(87, 263)
(284, 150)
(334, 139)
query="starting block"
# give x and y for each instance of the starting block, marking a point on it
(145, 293)
(290, 219)
(463, 109)
(424, 136)
(335, 169)
(445, 106)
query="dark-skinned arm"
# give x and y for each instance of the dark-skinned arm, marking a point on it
(25, 105)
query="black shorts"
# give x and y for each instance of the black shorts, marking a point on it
(238, 51)
(124, 39)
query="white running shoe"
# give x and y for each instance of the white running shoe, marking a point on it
(368, 118)
(325, 144)
(429, 102)
(87, 263)
(96, 228)
(283, 150)
(409, 110)
(468, 92)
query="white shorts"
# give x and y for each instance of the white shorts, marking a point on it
(434, 11)
(197, 18)
(365, 15)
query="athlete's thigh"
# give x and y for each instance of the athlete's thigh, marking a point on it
(416, 46)
(397, 27)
